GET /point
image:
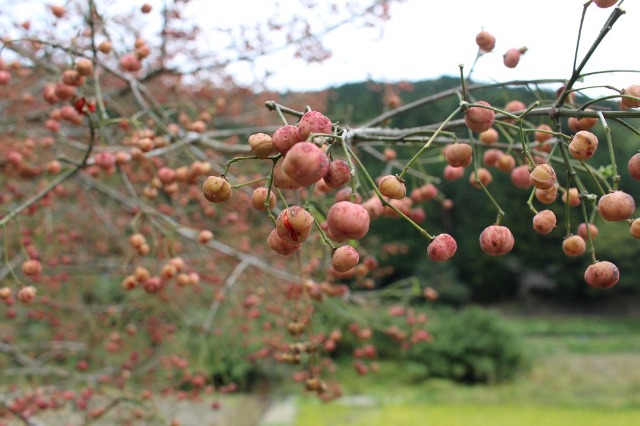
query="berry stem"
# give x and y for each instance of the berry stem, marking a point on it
(607, 134)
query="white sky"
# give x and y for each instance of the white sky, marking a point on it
(424, 39)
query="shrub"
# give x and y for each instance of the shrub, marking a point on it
(472, 345)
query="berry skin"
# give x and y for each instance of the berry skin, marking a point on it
(543, 176)
(261, 145)
(479, 119)
(344, 258)
(392, 187)
(616, 206)
(574, 245)
(583, 145)
(442, 248)
(305, 163)
(634, 166)
(294, 224)
(346, 220)
(633, 90)
(485, 41)
(496, 240)
(544, 222)
(286, 137)
(459, 154)
(602, 274)
(216, 189)
(313, 122)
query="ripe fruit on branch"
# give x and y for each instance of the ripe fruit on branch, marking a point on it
(313, 122)
(583, 123)
(520, 177)
(286, 137)
(484, 177)
(485, 41)
(582, 231)
(280, 246)
(294, 224)
(616, 206)
(347, 221)
(633, 90)
(216, 189)
(573, 196)
(259, 197)
(27, 294)
(261, 145)
(442, 248)
(543, 176)
(337, 174)
(31, 267)
(459, 154)
(634, 228)
(452, 173)
(130, 63)
(489, 136)
(305, 163)
(574, 245)
(544, 222)
(602, 274)
(479, 119)
(281, 179)
(512, 57)
(392, 187)
(496, 240)
(583, 145)
(344, 258)
(634, 166)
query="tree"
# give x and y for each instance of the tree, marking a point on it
(139, 161)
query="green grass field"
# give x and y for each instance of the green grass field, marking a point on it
(584, 372)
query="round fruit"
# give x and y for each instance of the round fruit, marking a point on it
(543, 176)
(216, 189)
(496, 240)
(479, 119)
(344, 258)
(286, 137)
(602, 274)
(348, 220)
(634, 166)
(633, 90)
(634, 228)
(583, 145)
(392, 187)
(313, 122)
(582, 231)
(616, 206)
(573, 246)
(259, 198)
(442, 248)
(280, 246)
(337, 174)
(605, 3)
(459, 154)
(485, 41)
(261, 145)
(294, 224)
(544, 222)
(305, 163)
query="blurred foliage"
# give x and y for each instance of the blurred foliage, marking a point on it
(472, 345)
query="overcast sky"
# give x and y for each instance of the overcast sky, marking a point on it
(424, 39)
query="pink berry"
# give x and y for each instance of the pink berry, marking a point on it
(305, 163)
(479, 119)
(345, 258)
(313, 122)
(602, 274)
(442, 248)
(544, 222)
(496, 240)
